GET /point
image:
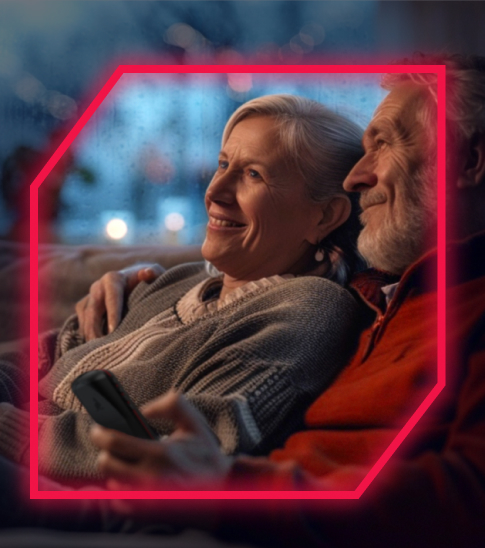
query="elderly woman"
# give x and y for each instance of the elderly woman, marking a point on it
(251, 346)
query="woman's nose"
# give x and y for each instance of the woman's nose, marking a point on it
(361, 177)
(222, 188)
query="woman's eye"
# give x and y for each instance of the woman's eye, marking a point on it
(254, 174)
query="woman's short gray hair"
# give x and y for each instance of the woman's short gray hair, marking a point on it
(322, 146)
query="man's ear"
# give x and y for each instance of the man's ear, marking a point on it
(472, 170)
(333, 214)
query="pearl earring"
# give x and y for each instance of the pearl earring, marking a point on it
(319, 255)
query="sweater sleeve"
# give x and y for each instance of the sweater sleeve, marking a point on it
(15, 366)
(14, 421)
(65, 449)
(75, 459)
(14, 433)
(14, 371)
(271, 365)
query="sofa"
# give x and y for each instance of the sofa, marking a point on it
(65, 275)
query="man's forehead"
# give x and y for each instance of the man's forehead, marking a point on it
(399, 108)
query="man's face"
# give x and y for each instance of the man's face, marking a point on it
(397, 181)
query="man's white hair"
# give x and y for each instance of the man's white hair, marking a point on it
(465, 90)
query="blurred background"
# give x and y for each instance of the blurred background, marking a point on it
(139, 169)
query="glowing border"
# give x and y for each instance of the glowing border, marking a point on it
(440, 71)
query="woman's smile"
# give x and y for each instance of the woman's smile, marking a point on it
(220, 222)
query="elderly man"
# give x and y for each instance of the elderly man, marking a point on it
(432, 493)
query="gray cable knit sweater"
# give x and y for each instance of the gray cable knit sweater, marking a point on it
(251, 364)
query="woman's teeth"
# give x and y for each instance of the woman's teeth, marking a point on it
(219, 222)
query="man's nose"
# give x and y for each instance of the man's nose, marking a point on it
(361, 177)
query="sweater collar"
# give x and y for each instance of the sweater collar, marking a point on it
(204, 298)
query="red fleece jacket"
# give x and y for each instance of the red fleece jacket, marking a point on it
(432, 492)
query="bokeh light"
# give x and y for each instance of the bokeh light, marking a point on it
(174, 222)
(240, 82)
(116, 229)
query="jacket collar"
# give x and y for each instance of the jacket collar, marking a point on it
(369, 283)
(465, 262)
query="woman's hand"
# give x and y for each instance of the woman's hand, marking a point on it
(188, 459)
(107, 296)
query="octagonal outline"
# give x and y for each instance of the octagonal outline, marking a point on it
(440, 72)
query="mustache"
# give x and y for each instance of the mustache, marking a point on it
(370, 198)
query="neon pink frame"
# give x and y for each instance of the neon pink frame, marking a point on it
(439, 70)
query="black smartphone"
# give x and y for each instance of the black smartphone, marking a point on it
(109, 405)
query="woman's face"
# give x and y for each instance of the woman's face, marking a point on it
(261, 220)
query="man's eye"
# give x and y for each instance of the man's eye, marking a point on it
(223, 165)
(254, 174)
(380, 143)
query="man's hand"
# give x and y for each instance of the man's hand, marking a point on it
(188, 459)
(107, 296)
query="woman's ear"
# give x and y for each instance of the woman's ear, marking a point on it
(472, 168)
(333, 214)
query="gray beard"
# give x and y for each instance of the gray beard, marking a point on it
(391, 248)
(401, 240)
